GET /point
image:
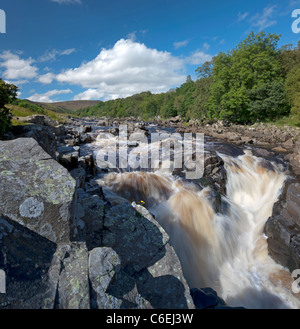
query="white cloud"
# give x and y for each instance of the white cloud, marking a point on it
(206, 46)
(46, 78)
(16, 68)
(198, 57)
(89, 94)
(180, 44)
(264, 19)
(127, 68)
(243, 16)
(67, 2)
(51, 55)
(46, 97)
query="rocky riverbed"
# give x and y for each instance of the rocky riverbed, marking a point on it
(65, 244)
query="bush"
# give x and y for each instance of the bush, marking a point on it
(8, 93)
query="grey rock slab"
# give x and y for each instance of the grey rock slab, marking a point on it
(35, 190)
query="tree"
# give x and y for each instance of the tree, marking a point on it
(252, 64)
(205, 70)
(8, 93)
(292, 87)
(268, 101)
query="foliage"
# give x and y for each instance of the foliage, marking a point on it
(8, 92)
(254, 81)
(241, 74)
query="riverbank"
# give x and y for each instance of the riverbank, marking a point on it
(75, 199)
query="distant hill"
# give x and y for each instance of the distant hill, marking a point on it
(68, 106)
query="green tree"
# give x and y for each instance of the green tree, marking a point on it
(8, 93)
(268, 101)
(292, 87)
(253, 63)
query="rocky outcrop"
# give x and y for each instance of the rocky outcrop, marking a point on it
(283, 227)
(259, 134)
(42, 134)
(35, 191)
(67, 248)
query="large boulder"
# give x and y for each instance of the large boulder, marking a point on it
(42, 134)
(35, 190)
(147, 271)
(283, 228)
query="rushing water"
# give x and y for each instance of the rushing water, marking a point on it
(225, 250)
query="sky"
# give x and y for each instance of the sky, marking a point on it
(60, 50)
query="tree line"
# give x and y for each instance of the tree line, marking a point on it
(255, 81)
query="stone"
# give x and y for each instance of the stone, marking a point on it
(26, 258)
(79, 175)
(289, 144)
(150, 274)
(279, 149)
(283, 228)
(35, 190)
(88, 220)
(42, 134)
(104, 263)
(73, 284)
(85, 138)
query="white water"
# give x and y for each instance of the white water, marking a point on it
(227, 251)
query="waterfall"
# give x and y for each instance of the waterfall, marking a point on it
(225, 250)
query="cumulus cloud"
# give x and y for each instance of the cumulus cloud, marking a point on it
(264, 19)
(198, 57)
(127, 68)
(46, 97)
(46, 78)
(89, 94)
(16, 68)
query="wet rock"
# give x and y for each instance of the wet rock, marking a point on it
(283, 228)
(207, 298)
(35, 191)
(85, 138)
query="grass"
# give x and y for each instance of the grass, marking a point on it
(21, 111)
(292, 121)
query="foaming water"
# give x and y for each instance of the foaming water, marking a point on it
(226, 251)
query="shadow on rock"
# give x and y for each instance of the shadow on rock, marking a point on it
(25, 257)
(137, 268)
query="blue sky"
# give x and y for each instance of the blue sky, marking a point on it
(56, 50)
